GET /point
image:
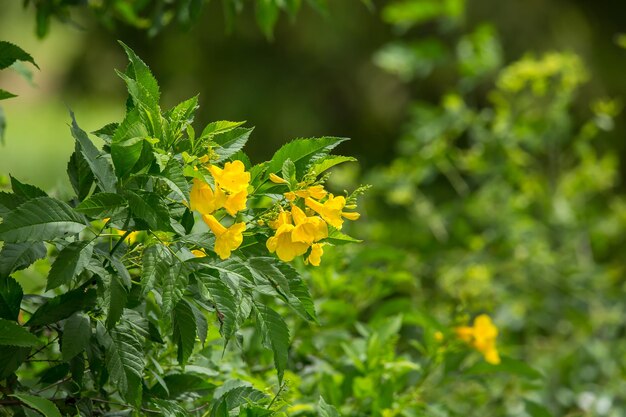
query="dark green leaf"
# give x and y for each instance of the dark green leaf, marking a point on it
(302, 152)
(10, 298)
(175, 179)
(26, 191)
(16, 256)
(173, 285)
(100, 166)
(101, 205)
(9, 202)
(63, 306)
(80, 174)
(231, 142)
(44, 406)
(156, 263)
(127, 145)
(76, 335)
(234, 398)
(225, 304)
(222, 126)
(11, 358)
(179, 384)
(275, 336)
(9, 53)
(149, 208)
(12, 334)
(118, 296)
(4, 94)
(70, 262)
(184, 324)
(42, 218)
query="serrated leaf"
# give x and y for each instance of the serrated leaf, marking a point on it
(44, 406)
(156, 262)
(12, 334)
(80, 174)
(11, 294)
(328, 162)
(9, 202)
(202, 326)
(173, 176)
(180, 117)
(302, 152)
(26, 191)
(63, 306)
(101, 205)
(11, 358)
(42, 218)
(234, 398)
(231, 142)
(149, 208)
(179, 384)
(173, 285)
(184, 324)
(124, 361)
(70, 262)
(289, 172)
(76, 335)
(338, 238)
(143, 76)
(118, 296)
(127, 144)
(225, 304)
(9, 53)
(275, 336)
(218, 127)
(100, 166)
(326, 410)
(17, 256)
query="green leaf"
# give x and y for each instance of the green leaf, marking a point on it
(149, 208)
(3, 124)
(11, 294)
(328, 162)
(173, 176)
(26, 190)
(173, 285)
(275, 336)
(4, 94)
(9, 202)
(289, 173)
(127, 145)
(70, 262)
(100, 166)
(202, 326)
(338, 238)
(221, 126)
(179, 384)
(267, 12)
(9, 53)
(234, 398)
(80, 174)
(184, 324)
(63, 306)
(118, 296)
(325, 409)
(44, 406)
(156, 263)
(101, 205)
(536, 409)
(180, 117)
(12, 334)
(231, 142)
(140, 72)
(11, 358)
(42, 218)
(302, 152)
(76, 335)
(17, 256)
(225, 304)
(124, 361)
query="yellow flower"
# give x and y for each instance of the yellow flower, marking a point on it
(307, 229)
(131, 238)
(236, 202)
(283, 218)
(482, 336)
(226, 239)
(198, 253)
(331, 210)
(316, 191)
(203, 199)
(315, 257)
(277, 180)
(284, 246)
(233, 178)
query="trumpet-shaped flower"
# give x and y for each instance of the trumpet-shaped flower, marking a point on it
(283, 244)
(317, 191)
(203, 199)
(233, 177)
(307, 229)
(315, 257)
(283, 218)
(482, 336)
(331, 210)
(236, 202)
(226, 239)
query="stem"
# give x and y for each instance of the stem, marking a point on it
(276, 396)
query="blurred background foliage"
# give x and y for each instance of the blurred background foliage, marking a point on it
(492, 135)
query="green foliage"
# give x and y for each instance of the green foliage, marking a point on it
(143, 312)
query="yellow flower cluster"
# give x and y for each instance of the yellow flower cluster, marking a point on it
(482, 336)
(230, 193)
(297, 231)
